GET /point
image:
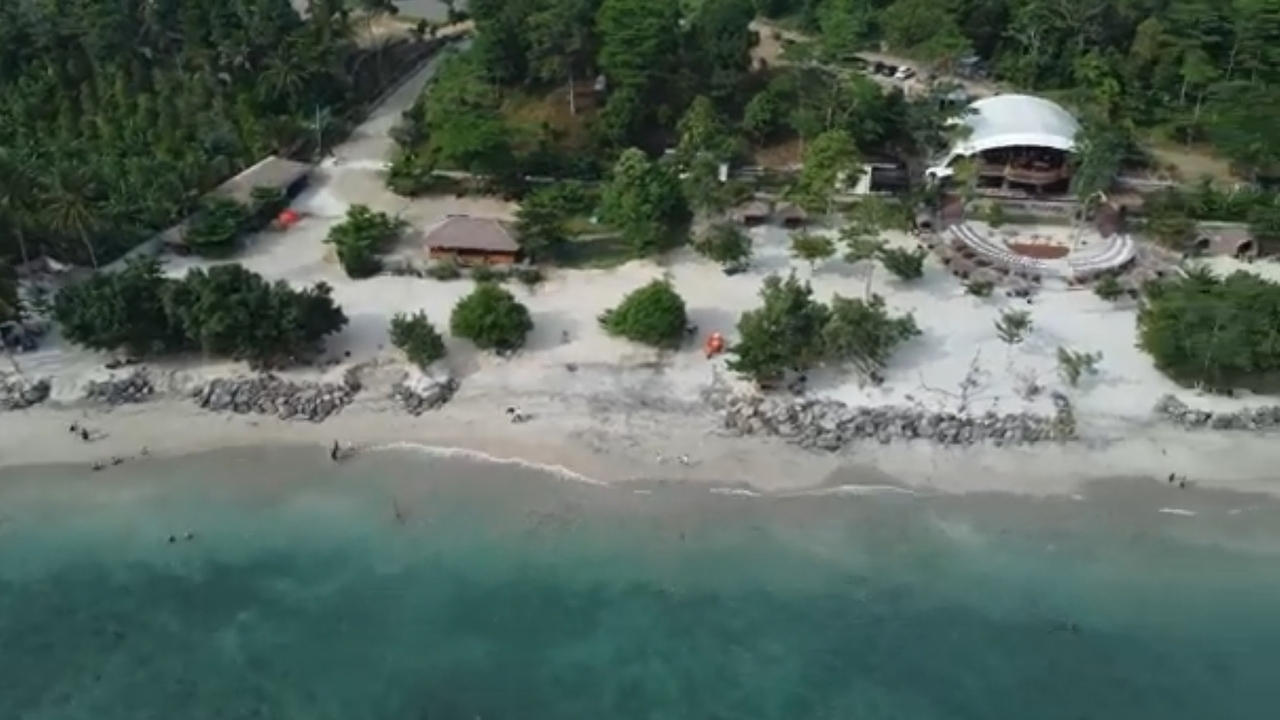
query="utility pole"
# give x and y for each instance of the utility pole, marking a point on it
(319, 135)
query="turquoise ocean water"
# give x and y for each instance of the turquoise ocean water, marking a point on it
(402, 587)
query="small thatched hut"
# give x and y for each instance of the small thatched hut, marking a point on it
(753, 213)
(791, 216)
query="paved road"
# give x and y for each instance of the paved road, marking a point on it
(371, 141)
(976, 89)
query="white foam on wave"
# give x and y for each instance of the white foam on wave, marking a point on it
(559, 471)
(734, 492)
(857, 490)
(1178, 511)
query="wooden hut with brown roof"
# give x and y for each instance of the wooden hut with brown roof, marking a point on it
(471, 240)
(791, 216)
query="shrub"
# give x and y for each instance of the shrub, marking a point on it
(726, 244)
(812, 248)
(488, 273)
(216, 227)
(417, 338)
(444, 270)
(529, 276)
(904, 264)
(995, 215)
(978, 287)
(1013, 326)
(653, 315)
(491, 318)
(1108, 288)
(360, 237)
(1072, 365)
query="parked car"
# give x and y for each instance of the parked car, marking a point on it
(904, 73)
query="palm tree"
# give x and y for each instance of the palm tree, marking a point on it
(71, 211)
(15, 198)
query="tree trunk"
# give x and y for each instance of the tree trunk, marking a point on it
(13, 360)
(22, 244)
(573, 100)
(93, 256)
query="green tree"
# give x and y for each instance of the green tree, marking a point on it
(491, 318)
(361, 237)
(812, 248)
(828, 160)
(639, 53)
(230, 311)
(417, 338)
(652, 315)
(225, 311)
(643, 200)
(215, 230)
(703, 133)
(763, 117)
(542, 222)
(845, 26)
(784, 333)
(863, 333)
(1214, 332)
(121, 311)
(726, 244)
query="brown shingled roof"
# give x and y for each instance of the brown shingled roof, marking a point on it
(464, 232)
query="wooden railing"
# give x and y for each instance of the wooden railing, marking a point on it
(1035, 177)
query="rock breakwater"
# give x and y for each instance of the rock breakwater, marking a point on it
(19, 393)
(135, 387)
(830, 425)
(270, 394)
(418, 395)
(1171, 409)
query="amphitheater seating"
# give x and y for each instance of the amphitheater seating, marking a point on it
(996, 251)
(1118, 252)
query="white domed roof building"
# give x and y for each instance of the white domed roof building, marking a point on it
(1015, 141)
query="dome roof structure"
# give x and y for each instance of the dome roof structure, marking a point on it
(1017, 120)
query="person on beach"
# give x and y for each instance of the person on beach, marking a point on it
(334, 452)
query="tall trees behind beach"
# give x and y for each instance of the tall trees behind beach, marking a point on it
(1199, 71)
(116, 115)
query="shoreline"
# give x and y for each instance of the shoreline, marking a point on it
(612, 439)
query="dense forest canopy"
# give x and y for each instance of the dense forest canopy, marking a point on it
(649, 74)
(1187, 72)
(1200, 71)
(116, 115)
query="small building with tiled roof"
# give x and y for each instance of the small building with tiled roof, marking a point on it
(472, 240)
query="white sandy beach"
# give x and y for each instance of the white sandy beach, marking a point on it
(626, 411)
